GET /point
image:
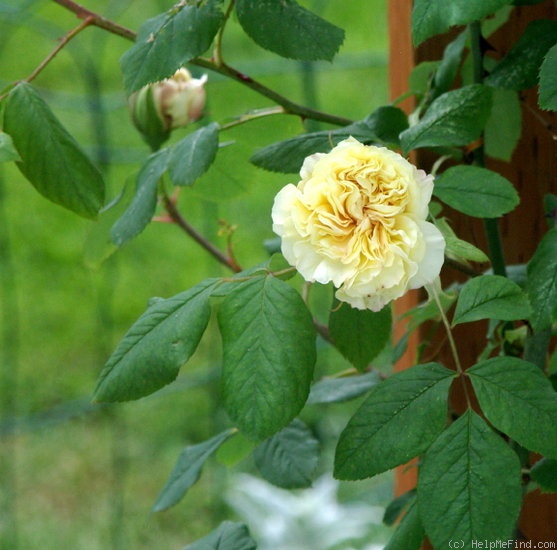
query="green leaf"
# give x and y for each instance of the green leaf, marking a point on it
(463, 250)
(289, 458)
(231, 284)
(187, 470)
(229, 536)
(397, 506)
(50, 157)
(519, 69)
(279, 267)
(334, 390)
(359, 334)
(168, 41)
(156, 346)
(98, 245)
(191, 157)
(409, 534)
(235, 450)
(541, 284)
(422, 76)
(268, 355)
(454, 118)
(491, 296)
(476, 191)
(7, 150)
(288, 156)
(383, 125)
(550, 209)
(496, 21)
(548, 81)
(504, 126)
(431, 17)
(512, 393)
(286, 28)
(141, 209)
(544, 473)
(456, 248)
(397, 421)
(450, 64)
(469, 486)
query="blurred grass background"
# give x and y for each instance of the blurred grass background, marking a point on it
(84, 477)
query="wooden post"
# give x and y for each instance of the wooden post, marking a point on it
(533, 171)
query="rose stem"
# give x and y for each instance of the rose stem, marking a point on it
(491, 225)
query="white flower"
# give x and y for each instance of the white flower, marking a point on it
(358, 218)
(306, 519)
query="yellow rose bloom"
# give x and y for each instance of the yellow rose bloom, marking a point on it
(357, 219)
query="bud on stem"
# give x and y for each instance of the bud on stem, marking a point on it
(175, 102)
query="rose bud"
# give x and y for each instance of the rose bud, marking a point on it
(160, 107)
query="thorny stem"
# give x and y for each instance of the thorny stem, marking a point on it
(180, 221)
(96, 19)
(433, 292)
(289, 106)
(217, 66)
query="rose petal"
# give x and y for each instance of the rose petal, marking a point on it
(430, 266)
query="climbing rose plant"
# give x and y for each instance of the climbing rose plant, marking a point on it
(360, 219)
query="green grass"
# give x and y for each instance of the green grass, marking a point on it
(86, 479)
